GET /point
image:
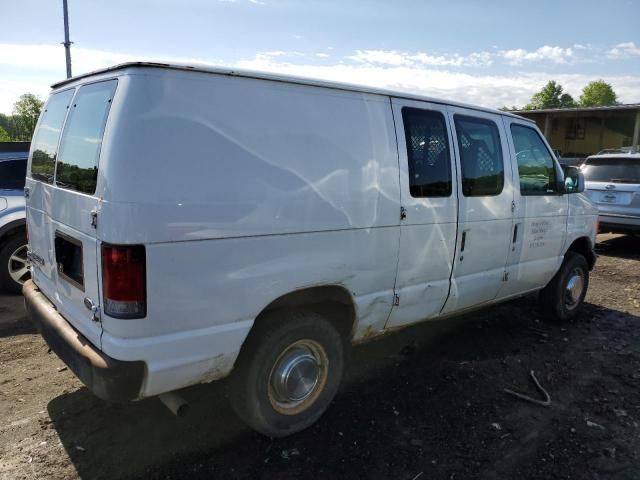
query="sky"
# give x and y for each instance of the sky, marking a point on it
(490, 53)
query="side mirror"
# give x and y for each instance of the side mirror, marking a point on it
(573, 180)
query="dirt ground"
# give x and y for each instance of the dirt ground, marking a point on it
(426, 402)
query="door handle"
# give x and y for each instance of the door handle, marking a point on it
(463, 243)
(515, 238)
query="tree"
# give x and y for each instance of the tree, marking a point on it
(598, 94)
(26, 112)
(4, 136)
(551, 96)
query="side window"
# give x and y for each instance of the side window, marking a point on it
(428, 153)
(536, 167)
(45, 143)
(12, 174)
(480, 156)
(77, 167)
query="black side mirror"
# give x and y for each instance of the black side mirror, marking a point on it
(573, 180)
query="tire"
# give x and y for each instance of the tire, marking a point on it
(280, 339)
(560, 302)
(15, 246)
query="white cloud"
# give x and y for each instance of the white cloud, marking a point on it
(395, 58)
(32, 68)
(489, 90)
(624, 50)
(545, 53)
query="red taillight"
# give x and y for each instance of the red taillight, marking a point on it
(124, 281)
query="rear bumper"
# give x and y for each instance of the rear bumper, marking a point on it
(109, 379)
(610, 222)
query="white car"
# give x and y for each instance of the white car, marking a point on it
(612, 181)
(14, 266)
(187, 224)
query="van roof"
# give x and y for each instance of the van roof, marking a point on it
(282, 78)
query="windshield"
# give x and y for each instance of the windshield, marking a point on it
(612, 169)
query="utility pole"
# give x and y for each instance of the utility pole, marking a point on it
(67, 43)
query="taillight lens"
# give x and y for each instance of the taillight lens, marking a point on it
(124, 281)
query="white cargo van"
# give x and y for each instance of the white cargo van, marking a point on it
(188, 224)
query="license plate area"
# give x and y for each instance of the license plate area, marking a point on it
(69, 263)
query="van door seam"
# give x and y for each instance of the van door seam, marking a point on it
(395, 280)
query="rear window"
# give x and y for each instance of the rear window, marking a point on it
(12, 174)
(612, 169)
(45, 143)
(77, 167)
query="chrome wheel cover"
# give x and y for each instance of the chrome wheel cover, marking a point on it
(574, 288)
(19, 267)
(298, 377)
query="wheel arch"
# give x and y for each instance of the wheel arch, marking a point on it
(333, 302)
(584, 247)
(12, 228)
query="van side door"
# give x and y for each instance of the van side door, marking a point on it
(485, 196)
(540, 216)
(429, 210)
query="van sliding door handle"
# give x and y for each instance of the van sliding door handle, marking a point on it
(463, 242)
(515, 233)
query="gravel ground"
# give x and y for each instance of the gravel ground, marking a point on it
(426, 402)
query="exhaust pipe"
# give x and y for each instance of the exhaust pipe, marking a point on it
(174, 402)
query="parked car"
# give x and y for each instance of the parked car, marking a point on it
(188, 224)
(14, 266)
(613, 183)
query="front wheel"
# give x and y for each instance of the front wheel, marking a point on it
(288, 372)
(563, 297)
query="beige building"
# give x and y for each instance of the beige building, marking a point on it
(580, 132)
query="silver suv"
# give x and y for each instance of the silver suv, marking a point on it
(14, 267)
(612, 181)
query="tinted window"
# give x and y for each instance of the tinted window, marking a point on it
(12, 174)
(427, 152)
(77, 167)
(480, 156)
(612, 169)
(45, 144)
(535, 163)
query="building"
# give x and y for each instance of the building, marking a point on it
(580, 132)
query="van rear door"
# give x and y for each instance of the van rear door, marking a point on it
(62, 202)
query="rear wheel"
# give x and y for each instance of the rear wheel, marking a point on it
(14, 266)
(287, 373)
(563, 297)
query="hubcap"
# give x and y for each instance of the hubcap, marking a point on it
(19, 266)
(298, 377)
(574, 288)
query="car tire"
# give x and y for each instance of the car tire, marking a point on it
(288, 372)
(563, 297)
(14, 247)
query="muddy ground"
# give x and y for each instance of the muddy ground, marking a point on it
(427, 403)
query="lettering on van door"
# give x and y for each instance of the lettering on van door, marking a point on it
(539, 229)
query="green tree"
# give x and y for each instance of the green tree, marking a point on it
(551, 96)
(26, 112)
(4, 136)
(598, 94)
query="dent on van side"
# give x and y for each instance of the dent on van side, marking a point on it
(191, 224)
